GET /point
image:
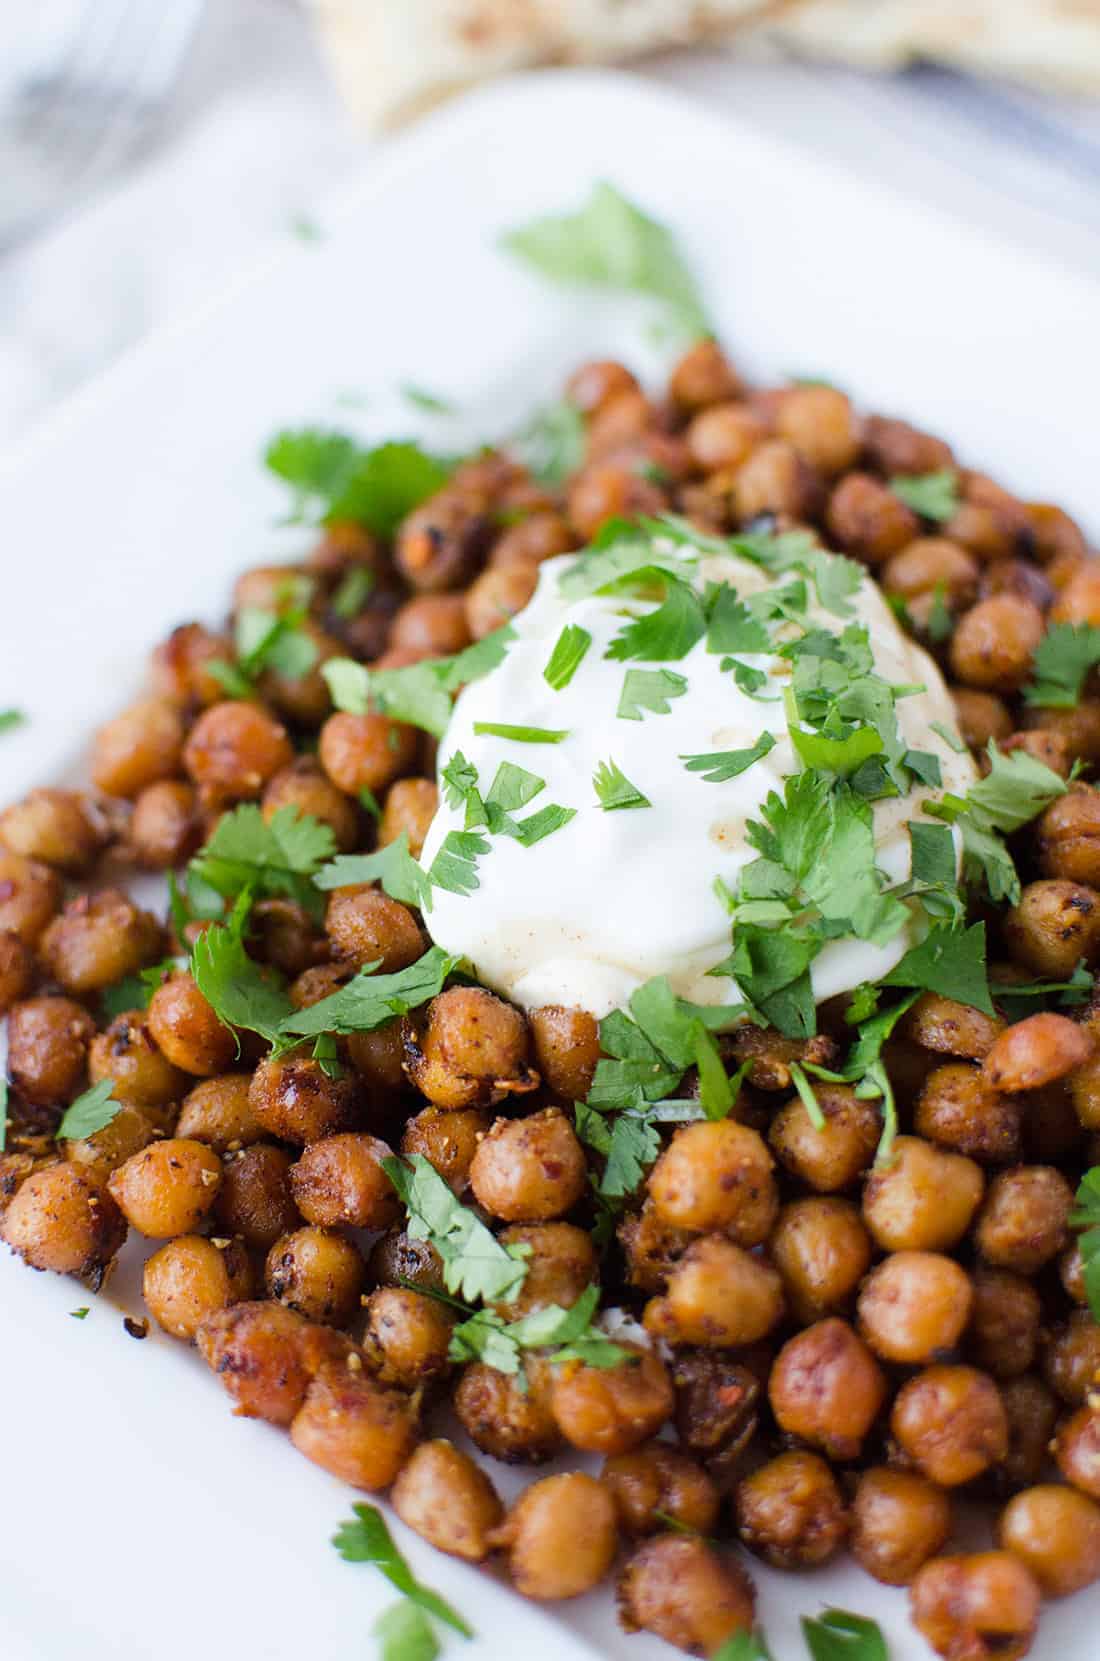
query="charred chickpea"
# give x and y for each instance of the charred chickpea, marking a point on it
(717, 1294)
(409, 809)
(139, 747)
(1037, 1051)
(685, 1591)
(821, 424)
(63, 1218)
(567, 1048)
(894, 447)
(950, 1422)
(611, 1409)
(16, 968)
(52, 826)
(366, 926)
(99, 939)
(1055, 924)
(822, 1251)
(30, 894)
(190, 1278)
(302, 785)
(928, 569)
(656, 1481)
(254, 1200)
(704, 375)
(442, 543)
(1077, 1451)
(265, 1356)
(951, 1028)
(366, 752)
(1071, 1359)
(407, 1337)
(899, 1521)
(1003, 1336)
(724, 436)
(502, 1420)
(560, 1537)
(958, 1109)
(233, 750)
(217, 1112)
(834, 1157)
(717, 1407)
(994, 642)
(1031, 1410)
(776, 479)
(434, 625)
(606, 490)
(165, 828)
(442, 1495)
(186, 1029)
(924, 1200)
(318, 1273)
(470, 1050)
(293, 1098)
(652, 1248)
(561, 1264)
(340, 1180)
(126, 1053)
(868, 520)
(716, 1177)
(791, 1513)
(914, 1306)
(540, 535)
(282, 933)
(982, 1606)
(181, 666)
(1069, 836)
(48, 1041)
(355, 1428)
(529, 1170)
(1056, 1531)
(447, 1140)
(495, 597)
(114, 1143)
(1024, 1220)
(826, 1388)
(167, 1188)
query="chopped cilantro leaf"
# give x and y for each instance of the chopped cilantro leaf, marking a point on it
(355, 589)
(951, 739)
(950, 962)
(731, 626)
(933, 496)
(459, 778)
(840, 1636)
(475, 1264)
(90, 1112)
(366, 1539)
(621, 549)
(10, 719)
(401, 876)
(420, 398)
(80, 1314)
(1086, 1217)
(721, 765)
(276, 856)
(544, 823)
(567, 656)
(520, 735)
(567, 1333)
(240, 991)
(1017, 998)
(455, 864)
(370, 1000)
(419, 694)
(1016, 789)
(836, 755)
(749, 1646)
(633, 1146)
(405, 1633)
(614, 789)
(941, 623)
(1063, 658)
(666, 634)
(270, 640)
(334, 478)
(513, 787)
(649, 689)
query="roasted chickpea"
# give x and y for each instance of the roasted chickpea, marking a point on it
(186, 1030)
(1042, 745)
(833, 1157)
(355, 1428)
(717, 1408)
(407, 1337)
(895, 447)
(611, 1409)
(293, 1098)
(596, 381)
(718, 1295)
(790, 1512)
(1037, 1051)
(979, 1607)
(981, 716)
(139, 747)
(776, 479)
(165, 827)
(567, 1048)
(63, 1218)
(448, 1141)
(529, 1170)
(495, 597)
(716, 1177)
(560, 1537)
(126, 1054)
(1055, 925)
(302, 785)
(1079, 727)
(561, 1264)
(958, 1109)
(924, 1200)
(340, 1180)
(868, 520)
(652, 1248)
(265, 1356)
(826, 1388)
(950, 1422)
(318, 1273)
(233, 750)
(398, 1260)
(1071, 1360)
(899, 1521)
(1030, 1410)
(190, 1278)
(541, 535)
(820, 422)
(217, 1111)
(1079, 601)
(1069, 836)
(931, 569)
(281, 932)
(683, 1590)
(994, 643)
(444, 540)
(656, 1481)
(914, 1306)
(1023, 1222)
(99, 939)
(167, 1188)
(48, 1040)
(822, 1251)
(366, 752)
(1004, 1324)
(52, 826)
(951, 1028)
(117, 1141)
(704, 375)
(254, 1200)
(449, 1500)
(379, 1057)
(29, 895)
(469, 1051)
(1056, 1532)
(1077, 1450)
(502, 1420)
(433, 625)
(366, 926)
(181, 666)
(409, 809)
(16, 969)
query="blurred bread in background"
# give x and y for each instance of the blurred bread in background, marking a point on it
(395, 58)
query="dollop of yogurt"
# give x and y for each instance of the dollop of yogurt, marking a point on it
(587, 914)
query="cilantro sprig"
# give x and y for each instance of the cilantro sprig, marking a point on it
(562, 1334)
(405, 1629)
(1064, 657)
(614, 790)
(475, 1264)
(402, 877)
(333, 478)
(420, 694)
(90, 1112)
(280, 855)
(933, 496)
(1015, 790)
(1086, 1217)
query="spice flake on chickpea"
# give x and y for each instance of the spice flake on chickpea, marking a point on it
(634, 899)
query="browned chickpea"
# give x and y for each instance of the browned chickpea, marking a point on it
(718, 1294)
(868, 520)
(716, 1177)
(443, 542)
(980, 1607)
(233, 750)
(1071, 1360)
(950, 1422)
(407, 1337)
(776, 479)
(355, 1428)
(1046, 746)
(117, 1141)
(1077, 1450)
(303, 786)
(930, 567)
(980, 716)
(51, 826)
(656, 1481)
(1056, 1532)
(914, 1306)
(704, 375)
(366, 752)
(186, 1030)
(560, 1537)
(1054, 533)
(254, 1200)
(1030, 1410)
(447, 1140)
(165, 828)
(98, 939)
(897, 448)
(1080, 727)
(16, 969)
(822, 1251)
(272, 588)
(340, 1180)
(724, 436)
(294, 1099)
(611, 1409)
(790, 1512)
(1037, 1051)
(597, 380)
(924, 1200)
(433, 625)
(826, 1388)
(820, 422)
(951, 1028)
(190, 1278)
(684, 1591)
(609, 489)
(409, 809)
(541, 535)
(1004, 1323)
(1055, 925)
(63, 1218)
(994, 643)
(958, 1109)
(29, 895)
(567, 1047)
(1023, 1222)
(717, 1407)
(379, 1056)
(265, 1356)
(167, 1188)
(1071, 1272)
(496, 596)
(529, 1170)
(180, 666)
(448, 1500)
(502, 1420)
(652, 1248)
(1079, 601)
(48, 1041)
(139, 747)
(1069, 836)
(318, 1273)
(366, 926)
(561, 1264)
(217, 1111)
(126, 1054)
(833, 1157)
(899, 1521)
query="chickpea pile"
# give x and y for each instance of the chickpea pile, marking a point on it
(826, 1353)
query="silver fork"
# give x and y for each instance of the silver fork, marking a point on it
(74, 117)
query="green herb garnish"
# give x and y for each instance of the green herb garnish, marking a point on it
(1063, 659)
(366, 1539)
(333, 478)
(520, 735)
(933, 496)
(90, 1112)
(567, 656)
(475, 1264)
(649, 689)
(614, 790)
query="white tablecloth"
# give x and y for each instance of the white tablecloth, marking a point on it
(254, 139)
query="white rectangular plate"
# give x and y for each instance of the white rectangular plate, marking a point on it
(139, 1518)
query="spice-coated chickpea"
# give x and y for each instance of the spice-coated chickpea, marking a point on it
(833, 1157)
(318, 1273)
(355, 1428)
(1031, 1410)
(265, 1356)
(379, 1057)
(609, 489)
(30, 894)
(980, 716)
(180, 666)
(190, 1278)
(894, 447)
(1003, 1336)
(776, 479)
(114, 1143)
(366, 752)
(217, 1111)
(51, 826)
(822, 1251)
(1079, 727)
(656, 1481)
(594, 382)
(1024, 1220)
(282, 933)
(16, 969)
(930, 567)
(704, 375)
(340, 1180)
(1071, 1359)
(397, 1259)
(719, 1295)
(868, 520)
(167, 1188)
(567, 1048)
(820, 422)
(469, 1051)
(126, 1053)
(611, 1409)
(950, 1421)
(1037, 1051)
(99, 939)
(443, 542)
(233, 750)
(447, 1140)
(826, 1388)
(923, 1200)
(48, 1041)
(717, 1406)
(791, 1513)
(958, 1109)
(446, 1498)
(497, 595)
(1068, 835)
(561, 1264)
(899, 1521)
(1056, 1531)
(407, 1337)
(724, 435)
(951, 1028)
(1041, 744)
(293, 1098)
(983, 1606)
(914, 1306)
(685, 1591)
(529, 1170)
(165, 828)
(303, 786)
(1077, 1450)
(409, 809)
(1055, 924)
(366, 926)
(254, 1200)
(716, 1176)
(652, 1248)
(504, 1421)
(63, 1218)
(994, 643)
(186, 1029)
(560, 1537)
(139, 747)
(433, 625)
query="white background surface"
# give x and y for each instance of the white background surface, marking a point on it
(139, 1519)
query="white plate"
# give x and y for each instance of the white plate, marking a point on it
(139, 1519)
